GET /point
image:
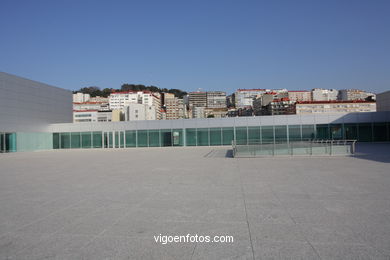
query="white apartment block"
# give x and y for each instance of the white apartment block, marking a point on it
(354, 94)
(316, 107)
(120, 100)
(319, 94)
(299, 95)
(101, 106)
(134, 111)
(244, 97)
(80, 116)
(216, 99)
(81, 97)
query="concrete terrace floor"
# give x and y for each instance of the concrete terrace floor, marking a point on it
(109, 204)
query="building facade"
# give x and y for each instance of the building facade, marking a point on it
(41, 128)
(244, 97)
(315, 107)
(120, 100)
(27, 107)
(197, 99)
(383, 101)
(355, 94)
(319, 94)
(81, 97)
(299, 95)
(216, 99)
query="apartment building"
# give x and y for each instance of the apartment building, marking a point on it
(80, 116)
(319, 94)
(355, 94)
(197, 99)
(244, 97)
(339, 106)
(299, 95)
(81, 97)
(121, 100)
(216, 99)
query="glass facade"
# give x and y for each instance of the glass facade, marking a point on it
(7, 142)
(364, 132)
(215, 136)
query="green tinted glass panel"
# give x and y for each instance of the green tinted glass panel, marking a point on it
(227, 135)
(365, 132)
(267, 134)
(281, 133)
(351, 131)
(75, 140)
(380, 132)
(177, 137)
(10, 142)
(166, 137)
(294, 132)
(110, 140)
(97, 139)
(203, 136)
(336, 131)
(154, 138)
(308, 132)
(56, 140)
(142, 138)
(322, 132)
(105, 135)
(86, 140)
(117, 139)
(215, 136)
(191, 137)
(241, 135)
(122, 139)
(65, 140)
(254, 134)
(131, 138)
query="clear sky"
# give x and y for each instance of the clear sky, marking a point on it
(213, 45)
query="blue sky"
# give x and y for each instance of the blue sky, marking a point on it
(213, 45)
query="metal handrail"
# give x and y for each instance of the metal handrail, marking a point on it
(258, 147)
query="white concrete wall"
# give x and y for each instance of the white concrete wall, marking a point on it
(27, 105)
(383, 101)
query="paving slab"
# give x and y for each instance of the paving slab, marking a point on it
(112, 203)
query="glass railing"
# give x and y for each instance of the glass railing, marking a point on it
(255, 148)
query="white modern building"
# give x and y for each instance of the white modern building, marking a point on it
(36, 116)
(81, 97)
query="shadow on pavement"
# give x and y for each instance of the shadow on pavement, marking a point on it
(379, 152)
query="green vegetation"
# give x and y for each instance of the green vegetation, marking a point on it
(96, 91)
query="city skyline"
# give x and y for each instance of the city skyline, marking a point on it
(214, 46)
